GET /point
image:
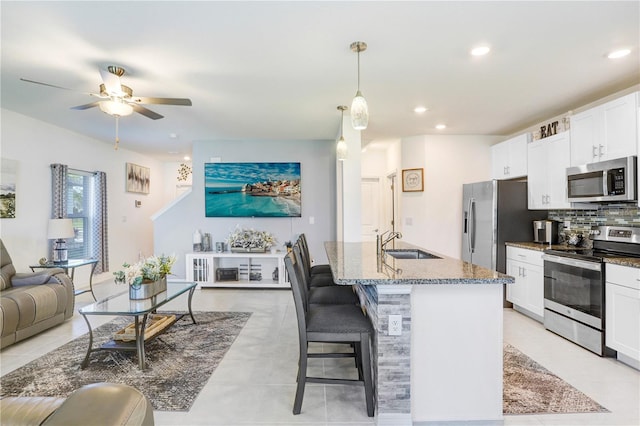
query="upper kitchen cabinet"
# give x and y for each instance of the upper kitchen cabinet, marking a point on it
(548, 160)
(509, 158)
(605, 132)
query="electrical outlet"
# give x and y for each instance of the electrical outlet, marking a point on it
(395, 325)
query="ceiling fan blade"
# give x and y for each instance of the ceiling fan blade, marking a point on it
(46, 84)
(111, 82)
(60, 87)
(86, 106)
(146, 112)
(165, 101)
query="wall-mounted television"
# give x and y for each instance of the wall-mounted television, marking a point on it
(252, 189)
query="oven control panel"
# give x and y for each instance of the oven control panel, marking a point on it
(620, 233)
(623, 234)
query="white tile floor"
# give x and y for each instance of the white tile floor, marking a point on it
(255, 382)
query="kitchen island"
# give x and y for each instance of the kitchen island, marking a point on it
(445, 365)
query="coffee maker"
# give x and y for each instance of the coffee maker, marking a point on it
(545, 231)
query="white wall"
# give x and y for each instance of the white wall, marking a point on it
(173, 187)
(35, 145)
(433, 219)
(174, 228)
(348, 191)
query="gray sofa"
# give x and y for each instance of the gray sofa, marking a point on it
(94, 404)
(31, 302)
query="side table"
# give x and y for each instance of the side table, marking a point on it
(72, 264)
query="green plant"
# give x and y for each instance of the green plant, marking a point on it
(147, 270)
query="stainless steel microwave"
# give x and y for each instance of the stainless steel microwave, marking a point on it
(606, 181)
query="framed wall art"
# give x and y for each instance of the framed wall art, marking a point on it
(412, 180)
(138, 178)
(252, 190)
(8, 178)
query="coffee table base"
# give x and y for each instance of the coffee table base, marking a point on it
(140, 324)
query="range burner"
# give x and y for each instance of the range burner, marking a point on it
(608, 242)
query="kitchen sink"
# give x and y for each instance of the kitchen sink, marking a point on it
(410, 254)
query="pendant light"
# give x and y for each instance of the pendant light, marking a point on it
(342, 151)
(359, 108)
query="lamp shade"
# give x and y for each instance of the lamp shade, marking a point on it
(120, 109)
(359, 112)
(60, 228)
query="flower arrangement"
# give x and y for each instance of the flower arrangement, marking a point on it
(250, 239)
(147, 270)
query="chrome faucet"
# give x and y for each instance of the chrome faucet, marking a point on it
(382, 242)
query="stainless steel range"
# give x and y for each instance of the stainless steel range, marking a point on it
(574, 285)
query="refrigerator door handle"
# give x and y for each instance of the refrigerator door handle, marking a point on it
(472, 225)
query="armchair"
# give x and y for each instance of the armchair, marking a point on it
(31, 302)
(97, 403)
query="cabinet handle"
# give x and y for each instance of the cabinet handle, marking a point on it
(508, 170)
(594, 152)
(543, 199)
(504, 170)
(548, 199)
(600, 153)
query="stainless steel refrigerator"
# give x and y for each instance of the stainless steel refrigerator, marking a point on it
(495, 212)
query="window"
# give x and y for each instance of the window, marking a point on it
(82, 197)
(79, 211)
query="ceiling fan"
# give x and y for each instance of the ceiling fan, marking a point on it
(117, 99)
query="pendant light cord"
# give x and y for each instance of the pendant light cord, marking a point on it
(358, 69)
(117, 137)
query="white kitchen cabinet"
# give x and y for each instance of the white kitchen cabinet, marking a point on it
(548, 160)
(605, 132)
(527, 293)
(509, 158)
(622, 314)
(251, 270)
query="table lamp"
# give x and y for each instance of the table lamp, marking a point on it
(59, 229)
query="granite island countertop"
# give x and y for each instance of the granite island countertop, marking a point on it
(358, 263)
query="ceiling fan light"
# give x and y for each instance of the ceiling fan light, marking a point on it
(342, 150)
(120, 109)
(359, 112)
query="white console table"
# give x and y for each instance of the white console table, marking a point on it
(201, 267)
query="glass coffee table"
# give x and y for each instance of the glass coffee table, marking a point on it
(140, 310)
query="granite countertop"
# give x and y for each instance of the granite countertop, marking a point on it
(358, 263)
(539, 246)
(623, 261)
(633, 262)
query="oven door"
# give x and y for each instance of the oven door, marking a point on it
(574, 288)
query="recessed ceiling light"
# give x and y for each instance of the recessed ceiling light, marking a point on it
(441, 126)
(172, 152)
(420, 109)
(618, 53)
(480, 50)
(186, 158)
(173, 136)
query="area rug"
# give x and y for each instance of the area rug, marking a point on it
(179, 362)
(529, 388)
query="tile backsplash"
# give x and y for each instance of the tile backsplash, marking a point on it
(581, 221)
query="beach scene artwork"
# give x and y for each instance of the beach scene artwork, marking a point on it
(252, 189)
